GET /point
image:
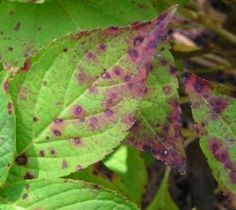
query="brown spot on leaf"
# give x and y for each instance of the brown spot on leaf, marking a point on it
(106, 75)
(77, 141)
(29, 176)
(96, 187)
(17, 27)
(133, 53)
(41, 153)
(27, 186)
(64, 164)
(137, 41)
(26, 66)
(232, 176)
(10, 108)
(10, 49)
(57, 132)
(25, 196)
(6, 85)
(22, 160)
(102, 46)
(35, 119)
(219, 105)
(167, 89)
(78, 111)
(91, 56)
(53, 152)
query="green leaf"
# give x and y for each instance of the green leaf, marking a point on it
(158, 125)
(61, 194)
(163, 199)
(214, 111)
(7, 128)
(77, 101)
(119, 173)
(162, 5)
(29, 1)
(30, 27)
(127, 163)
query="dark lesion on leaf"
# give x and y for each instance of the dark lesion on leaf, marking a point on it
(22, 160)
(64, 164)
(28, 176)
(25, 196)
(17, 26)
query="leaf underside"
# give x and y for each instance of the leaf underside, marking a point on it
(214, 111)
(77, 100)
(61, 194)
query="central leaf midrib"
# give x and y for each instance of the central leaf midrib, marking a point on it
(68, 105)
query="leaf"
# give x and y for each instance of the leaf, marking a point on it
(130, 167)
(61, 194)
(158, 124)
(214, 111)
(29, 1)
(78, 100)
(27, 28)
(163, 199)
(119, 173)
(7, 128)
(162, 5)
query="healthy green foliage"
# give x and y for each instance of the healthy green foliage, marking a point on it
(29, 27)
(213, 109)
(61, 194)
(7, 128)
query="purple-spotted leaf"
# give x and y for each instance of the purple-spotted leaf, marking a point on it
(78, 99)
(29, 27)
(7, 128)
(158, 124)
(60, 194)
(214, 111)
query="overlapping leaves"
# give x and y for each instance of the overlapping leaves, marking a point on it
(78, 99)
(119, 173)
(26, 28)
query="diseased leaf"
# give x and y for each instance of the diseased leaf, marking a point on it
(163, 199)
(61, 194)
(78, 100)
(29, 27)
(214, 111)
(124, 171)
(158, 124)
(7, 128)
